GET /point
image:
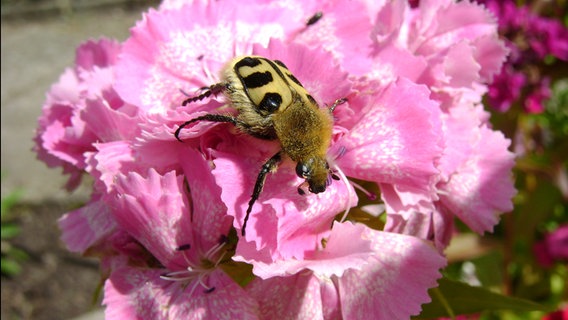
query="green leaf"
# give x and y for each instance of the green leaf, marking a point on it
(8, 231)
(9, 202)
(452, 298)
(9, 267)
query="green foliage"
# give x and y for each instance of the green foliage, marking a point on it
(11, 256)
(453, 298)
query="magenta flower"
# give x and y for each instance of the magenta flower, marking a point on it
(166, 217)
(531, 38)
(553, 248)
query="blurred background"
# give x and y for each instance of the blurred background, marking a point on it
(525, 257)
(40, 278)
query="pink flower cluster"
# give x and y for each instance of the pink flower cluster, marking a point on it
(165, 217)
(530, 38)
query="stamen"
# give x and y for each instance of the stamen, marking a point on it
(341, 152)
(213, 250)
(336, 168)
(185, 93)
(195, 284)
(206, 70)
(183, 247)
(197, 273)
(371, 196)
(328, 179)
(172, 276)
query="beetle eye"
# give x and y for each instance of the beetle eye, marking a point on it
(302, 170)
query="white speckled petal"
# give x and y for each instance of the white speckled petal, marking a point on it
(186, 49)
(86, 226)
(209, 216)
(346, 248)
(154, 211)
(295, 297)
(396, 139)
(395, 281)
(132, 293)
(482, 188)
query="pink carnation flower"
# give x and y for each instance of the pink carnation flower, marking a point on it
(164, 214)
(77, 108)
(189, 243)
(62, 136)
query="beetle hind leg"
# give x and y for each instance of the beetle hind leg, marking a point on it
(269, 166)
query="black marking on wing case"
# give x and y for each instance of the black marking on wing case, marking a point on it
(274, 66)
(246, 62)
(296, 81)
(257, 79)
(312, 100)
(271, 102)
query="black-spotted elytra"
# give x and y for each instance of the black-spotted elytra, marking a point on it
(272, 104)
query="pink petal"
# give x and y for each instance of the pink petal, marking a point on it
(107, 123)
(391, 284)
(87, 226)
(109, 160)
(299, 296)
(308, 65)
(336, 33)
(436, 225)
(395, 281)
(442, 23)
(491, 54)
(155, 211)
(168, 51)
(396, 139)
(209, 214)
(482, 188)
(156, 143)
(345, 249)
(283, 221)
(393, 62)
(100, 53)
(132, 293)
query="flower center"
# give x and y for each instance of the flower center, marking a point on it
(196, 274)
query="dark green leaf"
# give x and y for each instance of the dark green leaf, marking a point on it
(8, 202)
(9, 267)
(454, 298)
(8, 231)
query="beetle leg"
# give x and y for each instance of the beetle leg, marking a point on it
(269, 166)
(208, 117)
